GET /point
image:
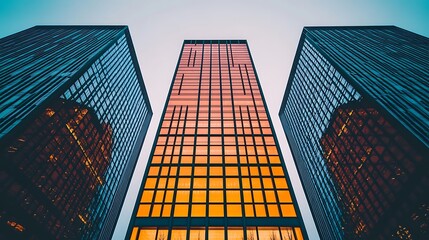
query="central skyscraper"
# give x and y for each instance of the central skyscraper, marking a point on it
(216, 171)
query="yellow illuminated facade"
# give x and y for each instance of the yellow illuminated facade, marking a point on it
(215, 170)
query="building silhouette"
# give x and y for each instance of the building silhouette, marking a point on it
(216, 171)
(356, 117)
(73, 115)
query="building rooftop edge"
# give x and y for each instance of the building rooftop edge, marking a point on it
(351, 27)
(189, 41)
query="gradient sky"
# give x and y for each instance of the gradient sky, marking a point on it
(158, 28)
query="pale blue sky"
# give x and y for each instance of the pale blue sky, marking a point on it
(159, 27)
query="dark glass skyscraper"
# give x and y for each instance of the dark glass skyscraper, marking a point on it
(73, 115)
(216, 171)
(356, 117)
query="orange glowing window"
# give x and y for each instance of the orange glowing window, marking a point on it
(235, 233)
(262, 159)
(147, 196)
(277, 171)
(251, 151)
(198, 210)
(147, 233)
(173, 171)
(156, 210)
(167, 159)
(182, 196)
(159, 150)
(257, 196)
(156, 159)
(232, 183)
(215, 210)
(287, 232)
(171, 183)
(159, 196)
(197, 233)
(150, 183)
(201, 150)
(269, 233)
(233, 210)
(216, 183)
(134, 233)
(251, 159)
(199, 196)
(162, 234)
(166, 211)
(280, 182)
(247, 195)
(184, 183)
(249, 210)
(229, 140)
(245, 182)
(215, 150)
(200, 171)
(268, 183)
(143, 210)
(186, 159)
(244, 171)
(169, 196)
(215, 159)
(185, 171)
(202, 140)
(216, 171)
(270, 196)
(200, 183)
(231, 171)
(265, 171)
(181, 210)
(200, 159)
(274, 159)
(164, 171)
(175, 159)
(230, 159)
(273, 210)
(162, 182)
(256, 183)
(260, 210)
(298, 233)
(260, 150)
(284, 196)
(230, 150)
(242, 151)
(272, 150)
(254, 171)
(216, 196)
(177, 234)
(251, 233)
(288, 210)
(233, 196)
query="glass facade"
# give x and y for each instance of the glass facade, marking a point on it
(72, 138)
(216, 171)
(358, 154)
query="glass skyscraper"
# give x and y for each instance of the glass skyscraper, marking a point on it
(73, 115)
(216, 171)
(356, 117)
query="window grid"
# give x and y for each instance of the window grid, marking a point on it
(215, 156)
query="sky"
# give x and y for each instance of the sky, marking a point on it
(158, 28)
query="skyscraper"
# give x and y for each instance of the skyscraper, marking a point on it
(356, 117)
(73, 115)
(216, 171)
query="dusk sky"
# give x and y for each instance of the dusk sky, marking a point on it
(158, 28)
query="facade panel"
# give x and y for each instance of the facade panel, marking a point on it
(216, 171)
(83, 113)
(355, 116)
